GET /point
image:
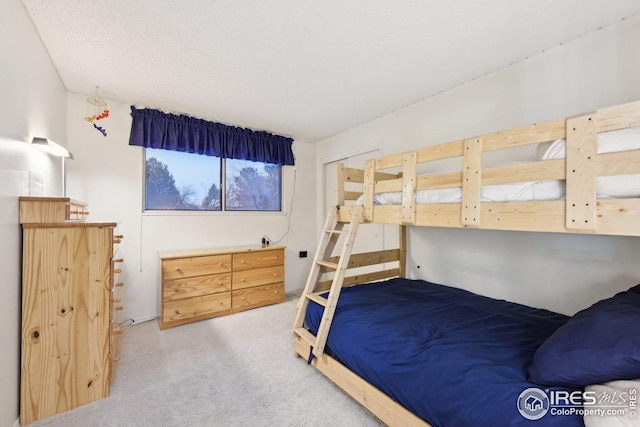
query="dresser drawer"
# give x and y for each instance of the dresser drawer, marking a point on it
(196, 308)
(257, 296)
(195, 266)
(258, 276)
(257, 259)
(195, 286)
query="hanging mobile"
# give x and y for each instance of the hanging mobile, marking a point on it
(97, 110)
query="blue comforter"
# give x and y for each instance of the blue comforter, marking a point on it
(451, 357)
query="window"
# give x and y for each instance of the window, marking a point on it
(252, 186)
(186, 181)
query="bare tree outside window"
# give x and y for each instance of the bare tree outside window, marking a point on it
(188, 181)
(252, 186)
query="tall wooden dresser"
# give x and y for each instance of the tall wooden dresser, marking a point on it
(68, 281)
(200, 284)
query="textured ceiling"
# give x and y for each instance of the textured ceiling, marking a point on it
(301, 68)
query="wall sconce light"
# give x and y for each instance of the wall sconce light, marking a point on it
(57, 150)
(51, 147)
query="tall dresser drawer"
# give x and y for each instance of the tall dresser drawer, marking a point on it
(258, 276)
(195, 266)
(258, 259)
(198, 307)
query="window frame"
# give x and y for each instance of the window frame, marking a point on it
(223, 186)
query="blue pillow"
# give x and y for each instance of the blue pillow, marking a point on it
(598, 344)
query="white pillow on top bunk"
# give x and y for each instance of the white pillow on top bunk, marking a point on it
(608, 142)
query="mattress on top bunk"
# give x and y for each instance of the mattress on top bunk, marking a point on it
(606, 186)
(451, 357)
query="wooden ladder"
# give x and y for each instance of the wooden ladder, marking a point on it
(331, 233)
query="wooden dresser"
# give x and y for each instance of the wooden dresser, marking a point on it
(201, 284)
(68, 279)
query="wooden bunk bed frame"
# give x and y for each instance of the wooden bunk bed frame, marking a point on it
(579, 212)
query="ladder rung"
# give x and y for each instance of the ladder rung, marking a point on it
(305, 335)
(327, 264)
(317, 299)
(336, 231)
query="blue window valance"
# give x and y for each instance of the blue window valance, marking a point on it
(155, 129)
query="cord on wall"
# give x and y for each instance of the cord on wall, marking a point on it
(266, 238)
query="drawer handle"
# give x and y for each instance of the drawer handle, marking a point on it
(242, 298)
(116, 300)
(117, 271)
(119, 236)
(221, 302)
(243, 280)
(117, 331)
(221, 264)
(115, 359)
(117, 240)
(118, 308)
(177, 268)
(243, 261)
(118, 260)
(275, 274)
(120, 284)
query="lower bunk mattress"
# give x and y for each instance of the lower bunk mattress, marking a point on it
(449, 356)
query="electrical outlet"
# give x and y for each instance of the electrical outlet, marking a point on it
(303, 254)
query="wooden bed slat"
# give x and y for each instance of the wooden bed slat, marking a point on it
(526, 172)
(581, 144)
(619, 217)
(443, 180)
(388, 185)
(619, 117)
(471, 182)
(367, 207)
(386, 162)
(362, 278)
(530, 134)
(370, 258)
(615, 216)
(441, 151)
(340, 180)
(351, 195)
(620, 163)
(409, 188)
(353, 175)
(357, 175)
(382, 406)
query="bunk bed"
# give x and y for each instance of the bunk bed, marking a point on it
(583, 178)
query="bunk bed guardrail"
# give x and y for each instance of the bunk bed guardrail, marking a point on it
(578, 210)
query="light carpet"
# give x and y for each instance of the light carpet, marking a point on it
(236, 370)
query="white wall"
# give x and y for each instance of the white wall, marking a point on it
(107, 173)
(563, 273)
(33, 103)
